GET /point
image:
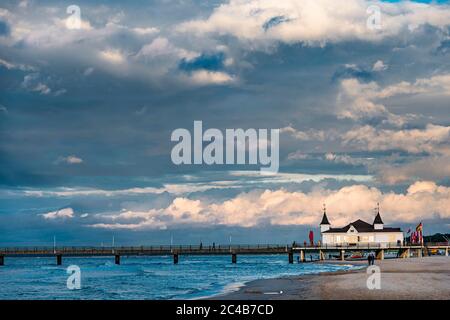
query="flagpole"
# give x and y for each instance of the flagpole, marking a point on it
(113, 244)
(421, 233)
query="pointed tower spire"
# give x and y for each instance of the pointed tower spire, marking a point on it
(324, 218)
(378, 222)
(325, 224)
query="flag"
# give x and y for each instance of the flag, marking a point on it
(311, 237)
(419, 227)
(419, 231)
(414, 237)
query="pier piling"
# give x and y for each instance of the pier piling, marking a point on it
(405, 254)
(321, 255)
(302, 255)
(117, 259)
(291, 257)
(419, 253)
(2, 260)
(59, 259)
(175, 258)
(380, 254)
(342, 255)
(233, 257)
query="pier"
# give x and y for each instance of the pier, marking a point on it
(337, 252)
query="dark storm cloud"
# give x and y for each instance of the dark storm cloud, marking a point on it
(352, 71)
(4, 28)
(444, 47)
(274, 21)
(204, 61)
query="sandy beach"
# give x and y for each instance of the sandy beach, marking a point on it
(405, 279)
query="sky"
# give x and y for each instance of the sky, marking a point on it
(86, 116)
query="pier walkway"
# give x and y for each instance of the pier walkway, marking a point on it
(324, 252)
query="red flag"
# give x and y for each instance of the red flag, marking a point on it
(311, 237)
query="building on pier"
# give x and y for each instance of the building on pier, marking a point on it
(360, 232)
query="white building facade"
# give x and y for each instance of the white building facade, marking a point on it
(360, 232)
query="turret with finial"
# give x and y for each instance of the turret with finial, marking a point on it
(377, 222)
(325, 224)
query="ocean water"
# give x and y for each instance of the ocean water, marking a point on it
(144, 277)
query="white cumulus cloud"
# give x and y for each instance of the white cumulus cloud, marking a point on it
(314, 22)
(69, 160)
(422, 200)
(62, 213)
(412, 140)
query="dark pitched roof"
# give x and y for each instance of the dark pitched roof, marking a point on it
(378, 219)
(324, 219)
(361, 226)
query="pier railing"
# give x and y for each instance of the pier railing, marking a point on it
(360, 245)
(205, 249)
(147, 250)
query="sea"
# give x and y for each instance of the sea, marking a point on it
(144, 277)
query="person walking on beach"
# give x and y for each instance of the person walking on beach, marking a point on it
(372, 258)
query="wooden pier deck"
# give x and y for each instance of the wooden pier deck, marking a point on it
(324, 251)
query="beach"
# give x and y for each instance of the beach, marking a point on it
(405, 279)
